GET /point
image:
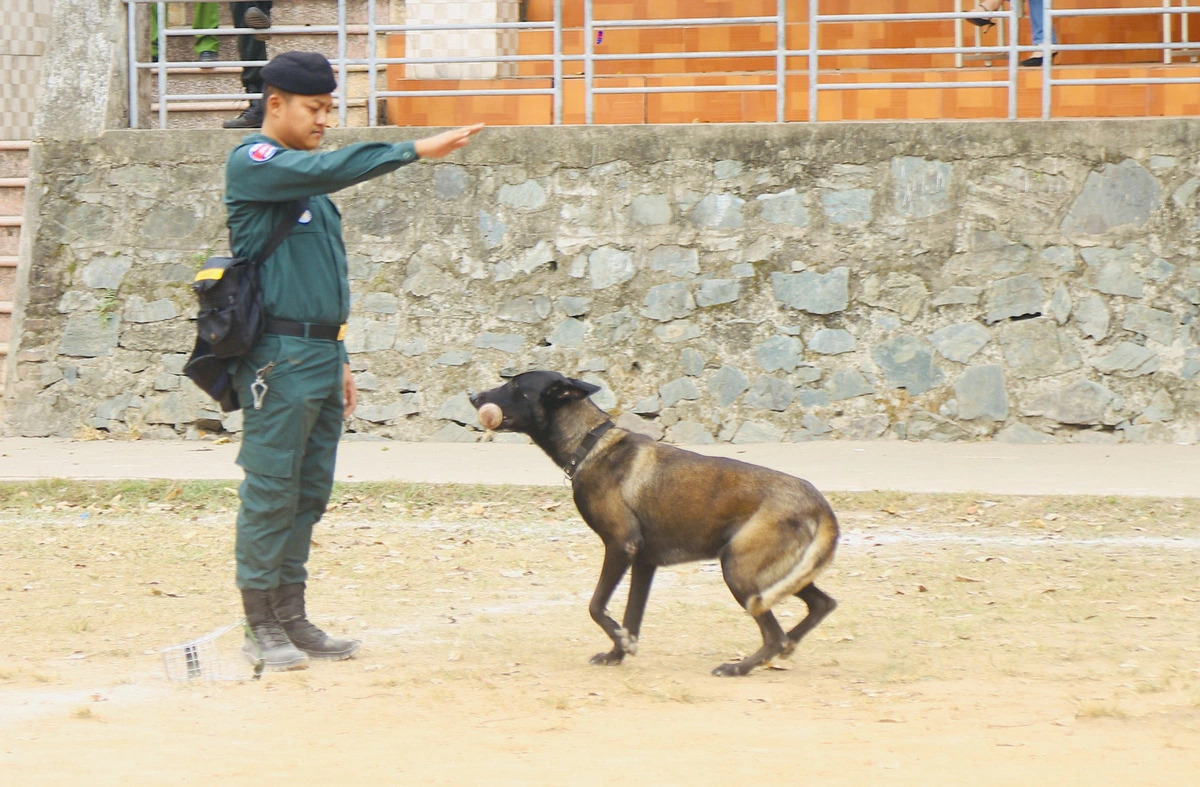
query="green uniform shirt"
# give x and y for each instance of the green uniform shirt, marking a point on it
(306, 278)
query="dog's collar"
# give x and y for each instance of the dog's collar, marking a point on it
(589, 442)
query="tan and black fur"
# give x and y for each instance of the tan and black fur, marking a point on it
(653, 505)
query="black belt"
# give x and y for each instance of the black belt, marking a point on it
(308, 330)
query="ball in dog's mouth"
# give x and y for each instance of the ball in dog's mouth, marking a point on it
(490, 415)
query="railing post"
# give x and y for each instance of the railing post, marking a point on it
(558, 64)
(1166, 25)
(1047, 61)
(1013, 56)
(813, 38)
(588, 114)
(342, 92)
(163, 59)
(780, 61)
(371, 44)
(132, 37)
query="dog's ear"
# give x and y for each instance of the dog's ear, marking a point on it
(568, 389)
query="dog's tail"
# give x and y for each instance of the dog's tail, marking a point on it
(818, 554)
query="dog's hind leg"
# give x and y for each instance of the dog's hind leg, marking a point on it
(774, 641)
(616, 563)
(819, 606)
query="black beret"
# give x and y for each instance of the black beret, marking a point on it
(303, 73)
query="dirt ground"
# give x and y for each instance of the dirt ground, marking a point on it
(982, 641)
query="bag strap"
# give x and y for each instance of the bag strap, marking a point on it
(285, 226)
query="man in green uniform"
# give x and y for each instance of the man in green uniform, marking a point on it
(295, 381)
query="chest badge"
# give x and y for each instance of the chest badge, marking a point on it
(305, 217)
(262, 151)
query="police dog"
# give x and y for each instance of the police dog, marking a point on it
(653, 505)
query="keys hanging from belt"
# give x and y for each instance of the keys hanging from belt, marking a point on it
(259, 388)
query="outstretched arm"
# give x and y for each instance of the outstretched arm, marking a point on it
(268, 173)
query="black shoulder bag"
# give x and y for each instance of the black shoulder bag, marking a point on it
(231, 315)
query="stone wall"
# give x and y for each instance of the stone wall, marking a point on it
(1020, 281)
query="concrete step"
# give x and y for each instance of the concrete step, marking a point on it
(8, 277)
(325, 43)
(7, 289)
(284, 14)
(12, 195)
(211, 114)
(14, 177)
(218, 81)
(14, 159)
(5, 321)
(8, 283)
(10, 231)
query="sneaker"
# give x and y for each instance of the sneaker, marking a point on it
(258, 19)
(208, 57)
(251, 117)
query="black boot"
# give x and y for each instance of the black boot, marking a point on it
(288, 602)
(251, 117)
(269, 642)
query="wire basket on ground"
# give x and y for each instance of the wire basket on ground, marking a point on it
(210, 657)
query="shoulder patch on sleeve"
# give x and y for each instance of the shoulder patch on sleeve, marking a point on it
(262, 151)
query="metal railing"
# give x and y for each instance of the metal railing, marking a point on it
(818, 79)
(1047, 50)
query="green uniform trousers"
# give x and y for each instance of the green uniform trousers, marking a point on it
(207, 17)
(288, 451)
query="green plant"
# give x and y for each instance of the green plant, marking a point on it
(108, 305)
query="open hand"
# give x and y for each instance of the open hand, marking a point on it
(448, 141)
(349, 392)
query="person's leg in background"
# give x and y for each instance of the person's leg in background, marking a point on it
(250, 47)
(206, 17)
(1037, 29)
(154, 30)
(258, 15)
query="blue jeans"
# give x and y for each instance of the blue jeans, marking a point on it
(1037, 23)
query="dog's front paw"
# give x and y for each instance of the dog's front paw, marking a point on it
(609, 659)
